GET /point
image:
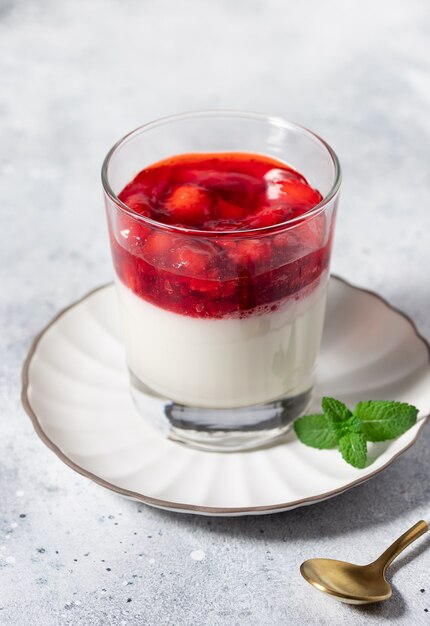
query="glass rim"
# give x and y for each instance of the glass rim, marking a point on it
(211, 113)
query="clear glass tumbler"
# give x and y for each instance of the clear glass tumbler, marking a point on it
(222, 357)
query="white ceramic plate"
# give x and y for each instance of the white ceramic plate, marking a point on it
(75, 389)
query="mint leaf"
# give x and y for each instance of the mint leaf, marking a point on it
(316, 431)
(353, 448)
(382, 420)
(335, 410)
(340, 417)
(350, 425)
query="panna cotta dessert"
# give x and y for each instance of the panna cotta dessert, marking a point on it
(221, 264)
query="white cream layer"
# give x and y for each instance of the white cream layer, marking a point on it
(224, 363)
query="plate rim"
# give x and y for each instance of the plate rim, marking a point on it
(194, 508)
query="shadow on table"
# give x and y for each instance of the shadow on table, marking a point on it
(412, 553)
(393, 493)
(392, 609)
(396, 606)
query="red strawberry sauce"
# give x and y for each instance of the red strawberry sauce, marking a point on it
(214, 276)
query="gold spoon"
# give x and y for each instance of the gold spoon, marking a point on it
(359, 584)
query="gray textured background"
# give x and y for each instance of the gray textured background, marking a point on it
(75, 76)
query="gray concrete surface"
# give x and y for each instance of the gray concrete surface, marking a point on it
(75, 76)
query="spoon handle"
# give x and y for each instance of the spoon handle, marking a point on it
(400, 544)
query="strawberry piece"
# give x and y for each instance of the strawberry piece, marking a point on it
(305, 237)
(298, 195)
(213, 288)
(311, 232)
(282, 240)
(137, 202)
(278, 175)
(156, 246)
(270, 216)
(254, 252)
(195, 259)
(228, 211)
(130, 232)
(286, 249)
(189, 204)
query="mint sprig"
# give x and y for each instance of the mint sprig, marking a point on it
(385, 420)
(353, 448)
(316, 431)
(338, 426)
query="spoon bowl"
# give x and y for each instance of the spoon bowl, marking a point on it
(353, 584)
(359, 584)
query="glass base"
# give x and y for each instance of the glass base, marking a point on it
(219, 430)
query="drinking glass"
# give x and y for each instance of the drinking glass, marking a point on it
(222, 357)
